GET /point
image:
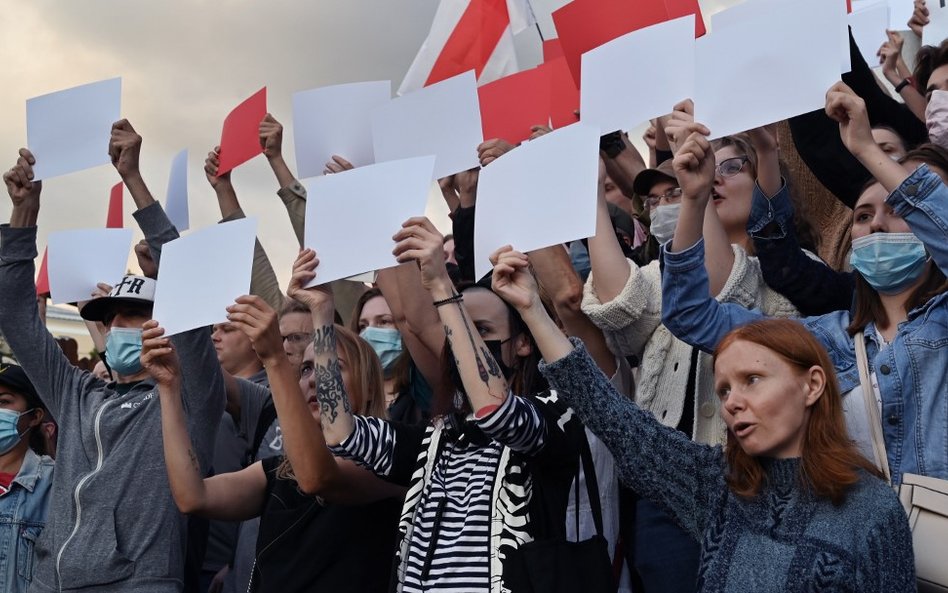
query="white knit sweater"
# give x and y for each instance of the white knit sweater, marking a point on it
(632, 324)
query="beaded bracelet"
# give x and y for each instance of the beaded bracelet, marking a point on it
(456, 298)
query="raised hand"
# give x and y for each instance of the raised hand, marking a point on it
(158, 355)
(19, 179)
(512, 279)
(680, 123)
(253, 316)
(125, 146)
(890, 56)
(211, 164)
(271, 137)
(145, 260)
(337, 165)
(694, 166)
(919, 17)
(491, 150)
(304, 270)
(848, 108)
(418, 240)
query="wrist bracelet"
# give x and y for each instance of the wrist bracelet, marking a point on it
(905, 82)
(455, 298)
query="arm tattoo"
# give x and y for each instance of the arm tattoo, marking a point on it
(329, 386)
(487, 367)
(194, 461)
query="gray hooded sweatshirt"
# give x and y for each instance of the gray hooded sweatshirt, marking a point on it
(112, 523)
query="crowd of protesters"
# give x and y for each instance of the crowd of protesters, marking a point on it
(674, 404)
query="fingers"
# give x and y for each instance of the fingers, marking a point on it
(337, 165)
(491, 150)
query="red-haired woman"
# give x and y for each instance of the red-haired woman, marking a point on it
(789, 504)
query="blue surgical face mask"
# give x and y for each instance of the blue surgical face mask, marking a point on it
(889, 262)
(123, 350)
(9, 434)
(386, 342)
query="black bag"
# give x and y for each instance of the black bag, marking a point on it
(555, 565)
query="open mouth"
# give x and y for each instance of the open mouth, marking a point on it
(312, 400)
(742, 429)
(718, 198)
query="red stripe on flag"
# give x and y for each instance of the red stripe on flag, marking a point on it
(114, 219)
(473, 40)
(42, 280)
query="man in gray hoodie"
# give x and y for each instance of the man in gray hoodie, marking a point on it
(113, 525)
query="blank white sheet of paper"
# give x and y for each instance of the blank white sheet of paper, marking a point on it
(443, 119)
(352, 216)
(869, 21)
(900, 11)
(202, 273)
(539, 194)
(336, 120)
(738, 90)
(81, 258)
(937, 28)
(69, 130)
(759, 11)
(627, 82)
(176, 204)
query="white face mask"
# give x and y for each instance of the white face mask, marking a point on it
(664, 220)
(936, 117)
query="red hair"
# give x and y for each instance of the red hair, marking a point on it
(830, 462)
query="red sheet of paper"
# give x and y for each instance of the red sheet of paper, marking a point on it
(240, 140)
(552, 50)
(583, 25)
(114, 220)
(42, 279)
(564, 95)
(511, 105)
(680, 8)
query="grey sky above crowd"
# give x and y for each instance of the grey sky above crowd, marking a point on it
(184, 64)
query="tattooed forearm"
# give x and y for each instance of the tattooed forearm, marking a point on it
(487, 367)
(330, 389)
(194, 461)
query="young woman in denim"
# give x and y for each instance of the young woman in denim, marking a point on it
(26, 475)
(904, 325)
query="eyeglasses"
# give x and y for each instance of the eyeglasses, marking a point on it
(671, 196)
(731, 167)
(297, 338)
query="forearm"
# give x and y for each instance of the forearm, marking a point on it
(335, 413)
(886, 171)
(624, 167)
(914, 101)
(768, 171)
(557, 277)
(481, 376)
(719, 254)
(551, 341)
(610, 268)
(313, 465)
(184, 469)
(97, 335)
(227, 200)
(24, 215)
(281, 170)
(923, 202)
(688, 231)
(140, 193)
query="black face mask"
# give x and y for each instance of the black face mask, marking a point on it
(454, 272)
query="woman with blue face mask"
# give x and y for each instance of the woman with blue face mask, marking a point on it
(26, 476)
(899, 254)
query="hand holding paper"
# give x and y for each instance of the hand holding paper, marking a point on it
(317, 297)
(240, 136)
(253, 316)
(418, 240)
(24, 192)
(125, 145)
(848, 108)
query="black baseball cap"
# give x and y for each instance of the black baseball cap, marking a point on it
(645, 180)
(14, 377)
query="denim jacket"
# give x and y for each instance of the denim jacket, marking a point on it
(813, 287)
(22, 517)
(912, 371)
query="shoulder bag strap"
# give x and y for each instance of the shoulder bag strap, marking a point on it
(872, 410)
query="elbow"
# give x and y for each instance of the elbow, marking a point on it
(189, 505)
(568, 301)
(319, 484)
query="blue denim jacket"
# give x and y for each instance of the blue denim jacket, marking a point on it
(22, 517)
(912, 371)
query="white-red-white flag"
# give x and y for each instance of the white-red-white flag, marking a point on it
(469, 35)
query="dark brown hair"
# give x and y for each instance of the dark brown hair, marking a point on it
(928, 58)
(830, 462)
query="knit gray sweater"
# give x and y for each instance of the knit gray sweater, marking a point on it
(784, 539)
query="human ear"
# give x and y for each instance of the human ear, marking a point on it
(522, 346)
(815, 384)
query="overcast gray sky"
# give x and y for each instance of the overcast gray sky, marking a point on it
(184, 64)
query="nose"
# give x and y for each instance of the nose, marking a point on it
(878, 223)
(734, 402)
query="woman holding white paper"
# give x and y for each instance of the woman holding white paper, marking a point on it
(471, 505)
(306, 541)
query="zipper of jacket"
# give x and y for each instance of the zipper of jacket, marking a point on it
(75, 494)
(275, 540)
